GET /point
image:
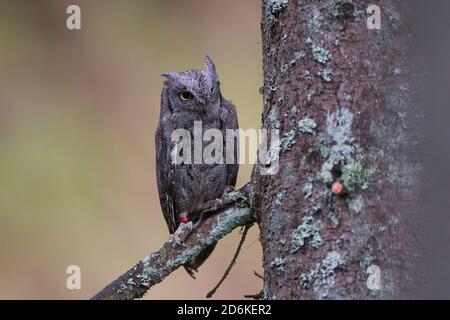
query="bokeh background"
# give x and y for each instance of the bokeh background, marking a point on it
(78, 110)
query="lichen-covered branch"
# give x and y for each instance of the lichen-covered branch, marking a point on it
(223, 217)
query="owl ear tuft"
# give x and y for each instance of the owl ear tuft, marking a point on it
(169, 75)
(210, 69)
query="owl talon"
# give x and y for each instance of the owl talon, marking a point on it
(229, 189)
(183, 231)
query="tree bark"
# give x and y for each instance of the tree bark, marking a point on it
(346, 199)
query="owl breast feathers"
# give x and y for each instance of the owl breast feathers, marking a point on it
(193, 97)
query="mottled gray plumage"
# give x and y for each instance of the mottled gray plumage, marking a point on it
(183, 188)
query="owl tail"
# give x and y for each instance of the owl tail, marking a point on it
(193, 264)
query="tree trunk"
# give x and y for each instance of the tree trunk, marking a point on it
(341, 209)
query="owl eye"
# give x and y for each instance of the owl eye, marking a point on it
(186, 95)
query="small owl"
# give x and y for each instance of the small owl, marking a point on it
(187, 97)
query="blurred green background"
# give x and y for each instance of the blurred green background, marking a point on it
(78, 110)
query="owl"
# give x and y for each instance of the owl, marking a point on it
(188, 97)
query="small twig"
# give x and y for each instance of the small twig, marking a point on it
(257, 296)
(233, 261)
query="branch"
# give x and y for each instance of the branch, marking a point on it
(224, 216)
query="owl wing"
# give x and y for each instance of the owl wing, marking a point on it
(229, 120)
(165, 176)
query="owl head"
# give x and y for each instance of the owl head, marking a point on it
(193, 90)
